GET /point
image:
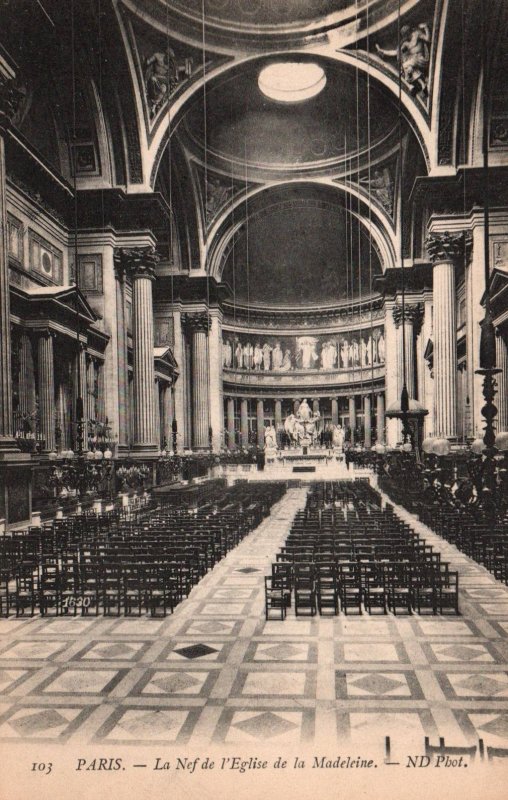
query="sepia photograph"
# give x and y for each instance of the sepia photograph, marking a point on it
(253, 399)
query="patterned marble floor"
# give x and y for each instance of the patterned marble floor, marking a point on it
(216, 672)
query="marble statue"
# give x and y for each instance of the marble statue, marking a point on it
(381, 348)
(414, 54)
(364, 352)
(307, 348)
(270, 438)
(303, 427)
(370, 349)
(267, 349)
(248, 355)
(277, 357)
(162, 73)
(239, 356)
(286, 362)
(258, 356)
(380, 185)
(227, 353)
(356, 353)
(338, 437)
(344, 354)
(328, 355)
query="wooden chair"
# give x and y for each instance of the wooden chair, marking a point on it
(275, 598)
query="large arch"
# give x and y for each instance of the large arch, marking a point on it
(370, 66)
(232, 220)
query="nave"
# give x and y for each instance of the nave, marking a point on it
(215, 672)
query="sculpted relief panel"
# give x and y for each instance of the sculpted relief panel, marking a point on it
(289, 353)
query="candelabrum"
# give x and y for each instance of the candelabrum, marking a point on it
(169, 466)
(491, 500)
(133, 476)
(80, 474)
(84, 471)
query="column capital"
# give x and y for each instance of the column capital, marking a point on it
(45, 333)
(412, 312)
(444, 246)
(197, 321)
(137, 262)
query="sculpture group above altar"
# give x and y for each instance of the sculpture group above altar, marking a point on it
(305, 428)
(287, 353)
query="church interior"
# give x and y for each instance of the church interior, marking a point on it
(254, 373)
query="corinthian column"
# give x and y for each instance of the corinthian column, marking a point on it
(26, 376)
(231, 423)
(244, 422)
(140, 263)
(216, 400)
(198, 326)
(444, 250)
(260, 418)
(8, 103)
(46, 385)
(335, 411)
(380, 418)
(121, 317)
(278, 412)
(407, 324)
(352, 418)
(367, 421)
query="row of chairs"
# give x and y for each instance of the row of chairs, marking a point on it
(345, 551)
(113, 564)
(485, 543)
(342, 586)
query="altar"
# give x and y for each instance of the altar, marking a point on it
(306, 455)
(303, 431)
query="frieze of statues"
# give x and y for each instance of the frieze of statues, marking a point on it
(322, 353)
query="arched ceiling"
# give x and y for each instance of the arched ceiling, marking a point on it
(301, 247)
(241, 126)
(265, 14)
(261, 24)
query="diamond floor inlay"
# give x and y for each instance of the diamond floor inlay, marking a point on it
(216, 671)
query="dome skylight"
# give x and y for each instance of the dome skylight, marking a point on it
(292, 81)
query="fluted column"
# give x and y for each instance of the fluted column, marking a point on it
(444, 249)
(9, 99)
(166, 414)
(278, 412)
(141, 264)
(46, 386)
(260, 417)
(367, 421)
(408, 323)
(380, 418)
(26, 376)
(244, 422)
(501, 399)
(80, 397)
(231, 423)
(352, 417)
(90, 392)
(315, 406)
(121, 323)
(179, 393)
(216, 400)
(198, 326)
(335, 411)
(158, 418)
